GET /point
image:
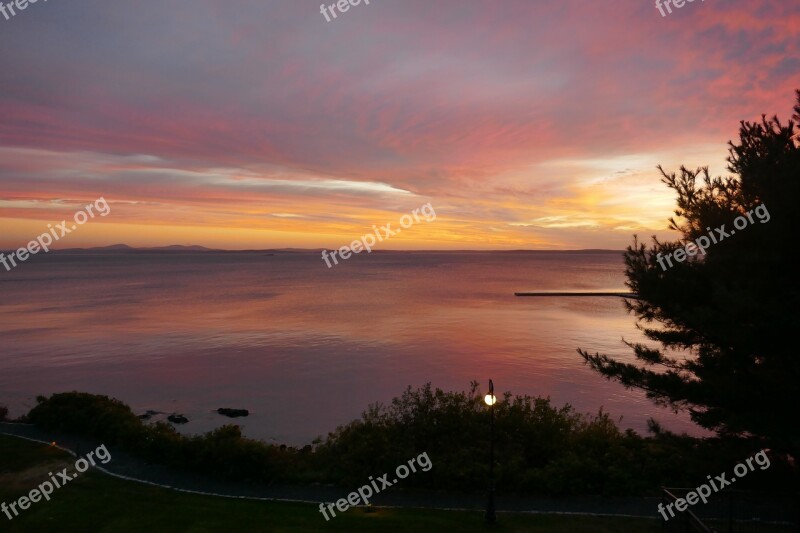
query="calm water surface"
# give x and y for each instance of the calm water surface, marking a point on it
(305, 348)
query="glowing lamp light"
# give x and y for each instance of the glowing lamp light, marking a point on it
(490, 398)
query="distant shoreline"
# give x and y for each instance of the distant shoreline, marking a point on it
(124, 249)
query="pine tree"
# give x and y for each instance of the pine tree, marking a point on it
(725, 323)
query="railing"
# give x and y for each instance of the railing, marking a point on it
(684, 520)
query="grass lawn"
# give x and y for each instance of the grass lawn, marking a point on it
(96, 502)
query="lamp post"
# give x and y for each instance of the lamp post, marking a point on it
(490, 400)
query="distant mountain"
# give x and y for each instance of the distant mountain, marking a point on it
(125, 249)
(180, 248)
(110, 248)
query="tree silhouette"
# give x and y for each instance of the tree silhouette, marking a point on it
(725, 322)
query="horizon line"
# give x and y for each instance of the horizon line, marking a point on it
(204, 249)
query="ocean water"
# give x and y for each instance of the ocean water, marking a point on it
(306, 348)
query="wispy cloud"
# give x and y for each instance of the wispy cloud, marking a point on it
(530, 124)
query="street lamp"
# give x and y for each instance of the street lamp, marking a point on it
(490, 400)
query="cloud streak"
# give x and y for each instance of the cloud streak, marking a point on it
(198, 114)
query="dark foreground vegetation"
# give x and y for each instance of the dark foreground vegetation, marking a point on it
(98, 503)
(541, 449)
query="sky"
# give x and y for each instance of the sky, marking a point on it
(260, 124)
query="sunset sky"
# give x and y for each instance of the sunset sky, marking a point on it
(257, 124)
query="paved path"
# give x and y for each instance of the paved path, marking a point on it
(128, 467)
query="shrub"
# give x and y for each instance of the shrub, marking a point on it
(222, 452)
(539, 448)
